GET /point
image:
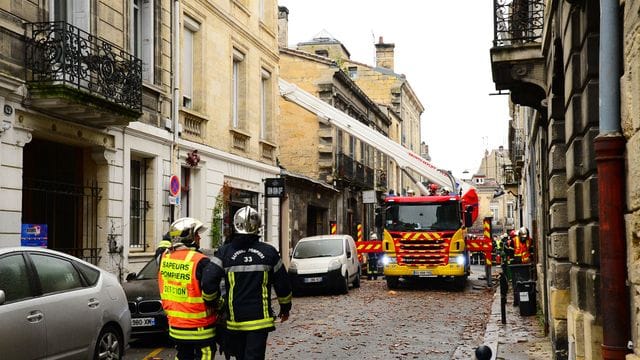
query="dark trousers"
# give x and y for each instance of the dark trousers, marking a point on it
(195, 350)
(248, 345)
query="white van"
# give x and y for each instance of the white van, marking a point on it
(325, 262)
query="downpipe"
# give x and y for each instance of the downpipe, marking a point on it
(609, 150)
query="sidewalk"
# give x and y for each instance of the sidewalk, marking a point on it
(521, 338)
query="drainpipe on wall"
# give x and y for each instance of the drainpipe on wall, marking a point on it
(609, 149)
(175, 88)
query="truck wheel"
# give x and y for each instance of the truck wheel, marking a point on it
(392, 282)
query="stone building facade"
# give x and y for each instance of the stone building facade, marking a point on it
(547, 54)
(89, 143)
(320, 152)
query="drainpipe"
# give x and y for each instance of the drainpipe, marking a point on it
(175, 89)
(609, 150)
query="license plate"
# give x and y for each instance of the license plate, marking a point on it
(313, 279)
(143, 322)
(422, 273)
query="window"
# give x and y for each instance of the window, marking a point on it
(75, 12)
(353, 71)
(142, 25)
(510, 211)
(188, 51)
(339, 140)
(237, 97)
(56, 274)
(495, 212)
(139, 204)
(13, 278)
(265, 104)
(352, 146)
(324, 53)
(185, 181)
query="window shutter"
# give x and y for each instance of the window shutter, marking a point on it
(80, 14)
(147, 40)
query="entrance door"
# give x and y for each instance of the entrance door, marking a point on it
(54, 194)
(316, 220)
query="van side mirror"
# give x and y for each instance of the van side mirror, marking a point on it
(2, 297)
(131, 276)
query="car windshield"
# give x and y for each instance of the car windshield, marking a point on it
(318, 248)
(149, 271)
(423, 217)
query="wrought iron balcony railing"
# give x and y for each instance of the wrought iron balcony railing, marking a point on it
(345, 166)
(58, 53)
(517, 22)
(382, 179)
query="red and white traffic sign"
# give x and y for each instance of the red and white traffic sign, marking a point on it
(174, 185)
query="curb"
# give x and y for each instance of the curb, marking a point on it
(492, 331)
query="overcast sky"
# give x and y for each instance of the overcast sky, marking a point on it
(443, 49)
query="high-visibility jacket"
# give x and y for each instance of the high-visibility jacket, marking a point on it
(521, 250)
(182, 298)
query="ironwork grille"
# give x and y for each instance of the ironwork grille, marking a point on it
(139, 206)
(58, 53)
(82, 228)
(517, 21)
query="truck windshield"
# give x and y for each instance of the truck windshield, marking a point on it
(318, 248)
(423, 217)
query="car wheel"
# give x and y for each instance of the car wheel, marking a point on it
(356, 282)
(392, 282)
(109, 344)
(344, 287)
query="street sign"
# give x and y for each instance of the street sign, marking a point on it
(174, 185)
(369, 197)
(274, 187)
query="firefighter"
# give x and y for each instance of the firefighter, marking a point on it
(250, 268)
(187, 301)
(522, 246)
(372, 260)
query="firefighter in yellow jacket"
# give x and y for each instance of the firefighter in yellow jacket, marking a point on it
(187, 301)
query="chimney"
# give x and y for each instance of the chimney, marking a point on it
(384, 54)
(283, 26)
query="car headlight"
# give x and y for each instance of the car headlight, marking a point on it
(334, 264)
(386, 260)
(460, 259)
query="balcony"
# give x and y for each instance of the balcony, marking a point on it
(80, 77)
(345, 167)
(382, 181)
(517, 64)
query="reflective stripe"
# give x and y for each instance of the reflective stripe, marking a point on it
(217, 262)
(209, 297)
(232, 285)
(248, 268)
(250, 325)
(206, 353)
(285, 300)
(265, 295)
(164, 244)
(186, 315)
(195, 334)
(278, 265)
(178, 298)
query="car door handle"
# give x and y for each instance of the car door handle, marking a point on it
(94, 303)
(35, 316)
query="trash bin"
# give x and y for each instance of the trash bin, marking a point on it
(519, 272)
(526, 291)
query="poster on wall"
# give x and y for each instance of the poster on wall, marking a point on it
(34, 235)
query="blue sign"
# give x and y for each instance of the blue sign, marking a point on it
(34, 235)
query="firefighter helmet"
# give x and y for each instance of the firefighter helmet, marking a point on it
(246, 221)
(512, 233)
(523, 232)
(184, 230)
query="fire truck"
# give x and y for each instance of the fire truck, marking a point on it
(425, 235)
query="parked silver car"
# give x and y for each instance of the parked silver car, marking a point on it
(54, 305)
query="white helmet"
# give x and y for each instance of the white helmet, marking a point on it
(184, 229)
(523, 232)
(246, 221)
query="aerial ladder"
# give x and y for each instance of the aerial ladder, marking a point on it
(408, 161)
